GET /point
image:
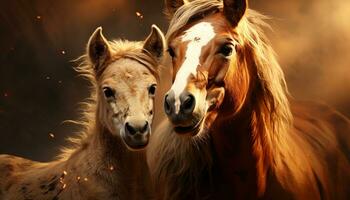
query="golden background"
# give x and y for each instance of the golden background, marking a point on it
(38, 39)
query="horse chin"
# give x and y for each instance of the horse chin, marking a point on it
(192, 130)
(136, 142)
(137, 147)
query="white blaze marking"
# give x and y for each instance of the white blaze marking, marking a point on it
(198, 36)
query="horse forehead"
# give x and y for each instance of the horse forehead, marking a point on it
(195, 38)
(200, 33)
(126, 69)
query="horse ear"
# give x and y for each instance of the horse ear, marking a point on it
(98, 49)
(234, 10)
(155, 43)
(171, 6)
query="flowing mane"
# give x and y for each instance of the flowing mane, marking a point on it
(287, 145)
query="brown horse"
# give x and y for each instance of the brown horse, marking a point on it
(108, 161)
(232, 131)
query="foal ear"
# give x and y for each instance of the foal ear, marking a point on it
(234, 10)
(98, 49)
(171, 6)
(155, 43)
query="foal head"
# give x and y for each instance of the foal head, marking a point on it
(203, 43)
(126, 76)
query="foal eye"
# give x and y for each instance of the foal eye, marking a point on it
(152, 89)
(171, 52)
(108, 92)
(226, 50)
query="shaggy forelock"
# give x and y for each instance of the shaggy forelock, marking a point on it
(189, 12)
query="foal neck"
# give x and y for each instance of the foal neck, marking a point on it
(115, 170)
(114, 155)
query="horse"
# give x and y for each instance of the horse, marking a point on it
(232, 130)
(107, 160)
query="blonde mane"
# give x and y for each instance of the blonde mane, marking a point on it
(120, 49)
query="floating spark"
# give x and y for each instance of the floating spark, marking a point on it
(139, 15)
(51, 135)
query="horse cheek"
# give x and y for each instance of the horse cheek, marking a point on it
(222, 70)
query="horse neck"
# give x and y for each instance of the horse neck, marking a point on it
(113, 152)
(231, 136)
(107, 160)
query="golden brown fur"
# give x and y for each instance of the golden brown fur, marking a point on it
(260, 144)
(98, 165)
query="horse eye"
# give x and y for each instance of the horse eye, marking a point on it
(226, 50)
(171, 52)
(108, 92)
(152, 89)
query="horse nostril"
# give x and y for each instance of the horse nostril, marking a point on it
(167, 107)
(140, 128)
(188, 103)
(131, 130)
(145, 128)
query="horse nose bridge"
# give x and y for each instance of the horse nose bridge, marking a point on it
(136, 113)
(136, 108)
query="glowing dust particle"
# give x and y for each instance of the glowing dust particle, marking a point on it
(64, 186)
(111, 168)
(86, 179)
(6, 94)
(65, 173)
(38, 17)
(63, 52)
(59, 82)
(51, 135)
(48, 78)
(139, 15)
(78, 178)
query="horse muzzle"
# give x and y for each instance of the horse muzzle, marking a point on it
(136, 134)
(182, 114)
